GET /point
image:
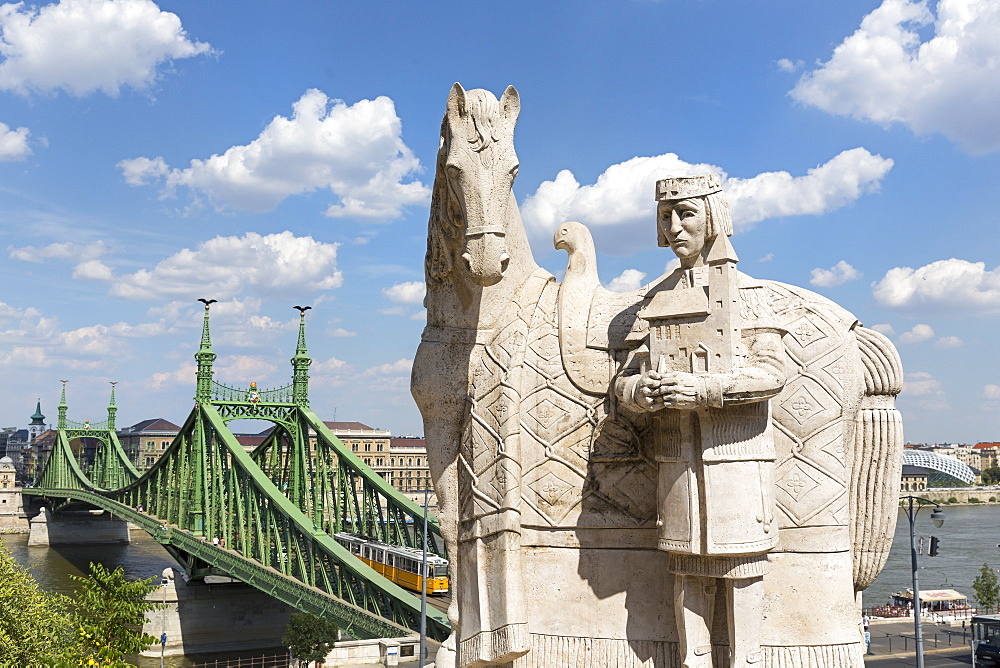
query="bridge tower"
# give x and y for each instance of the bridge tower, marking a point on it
(276, 510)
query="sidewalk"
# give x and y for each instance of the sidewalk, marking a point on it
(894, 638)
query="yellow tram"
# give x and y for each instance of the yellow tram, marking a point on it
(399, 564)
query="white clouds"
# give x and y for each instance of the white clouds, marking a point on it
(184, 374)
(918, 334)
(838, 274)
(843, 179)
(946, 342)
(885, 329)
(925, 390)
(397, 368)
(327, 367)
(340, 332)
(31, 340)
(13, 143)
(628, 280)
(243, 368)
(225, 266)
(921, 384)
(786, 65)
(59, 251)
(620, 208)
(356, 152)
(991, 391)
(143, 171)
(946, 286)
(83, 46)
(411, 292)
(93, 270)
(886, 73)
(88, 266)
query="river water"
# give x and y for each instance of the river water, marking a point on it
(967, 540)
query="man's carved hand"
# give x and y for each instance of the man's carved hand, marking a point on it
(672, 389)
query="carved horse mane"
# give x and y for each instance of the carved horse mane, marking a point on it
(474, 223)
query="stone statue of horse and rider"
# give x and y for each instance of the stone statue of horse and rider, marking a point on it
(701, 472)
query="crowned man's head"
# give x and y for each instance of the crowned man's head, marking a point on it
(691, 210)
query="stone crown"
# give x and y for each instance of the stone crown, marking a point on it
(683, 187)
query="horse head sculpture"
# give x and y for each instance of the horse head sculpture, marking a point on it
(477, 164)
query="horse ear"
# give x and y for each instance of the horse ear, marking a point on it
(456, 100)
(510, 104)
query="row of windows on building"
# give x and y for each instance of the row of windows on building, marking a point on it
(403, 463)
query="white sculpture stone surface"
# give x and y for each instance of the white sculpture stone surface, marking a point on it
(701, 472)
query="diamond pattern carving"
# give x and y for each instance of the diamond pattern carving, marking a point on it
(807, 404)
(546, 413)
(805, 332)
(804, 491)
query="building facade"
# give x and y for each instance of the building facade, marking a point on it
(11, 505)
(408, 461)
(145, 441)
(914, 479)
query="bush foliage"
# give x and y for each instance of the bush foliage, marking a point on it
(98, 627)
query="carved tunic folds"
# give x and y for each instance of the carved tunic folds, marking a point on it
(712, 455)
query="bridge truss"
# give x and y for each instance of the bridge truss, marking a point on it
(275, 509)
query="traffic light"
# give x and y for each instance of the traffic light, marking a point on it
(932, 552)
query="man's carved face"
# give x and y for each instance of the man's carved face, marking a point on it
(684, 223)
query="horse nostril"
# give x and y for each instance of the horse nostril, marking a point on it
(504, 261)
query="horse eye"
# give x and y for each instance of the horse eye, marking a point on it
(453, 170)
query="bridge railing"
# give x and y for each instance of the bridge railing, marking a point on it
(222, 392)
(72, 424)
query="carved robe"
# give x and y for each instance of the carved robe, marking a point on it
(710, 455)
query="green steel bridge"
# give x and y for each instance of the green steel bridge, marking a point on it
(277, 507)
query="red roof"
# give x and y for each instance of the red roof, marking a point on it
(345, 426)
(407, 443)
(155, 424)
(980, 446)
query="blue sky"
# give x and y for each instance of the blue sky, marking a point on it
(270, 154)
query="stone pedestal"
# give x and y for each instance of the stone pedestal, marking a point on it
(77, 528)
(206, 617)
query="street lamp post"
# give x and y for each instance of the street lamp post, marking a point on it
(423, 591)
(937, 516)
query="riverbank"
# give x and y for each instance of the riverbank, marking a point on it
(957, 496)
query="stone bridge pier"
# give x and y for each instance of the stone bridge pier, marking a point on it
(78, 527)
(203, 617)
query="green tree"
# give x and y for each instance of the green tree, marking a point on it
(986, 587)
(991, 475)
(36, 627)
(309, 637)
(112, 610)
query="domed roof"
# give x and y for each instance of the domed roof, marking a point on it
(6, 462)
